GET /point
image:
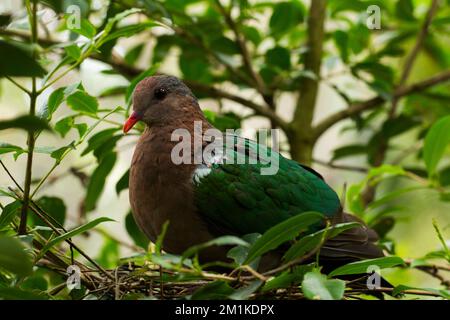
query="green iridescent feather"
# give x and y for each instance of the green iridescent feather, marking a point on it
(239, 199)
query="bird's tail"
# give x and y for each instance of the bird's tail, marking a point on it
(353, 244)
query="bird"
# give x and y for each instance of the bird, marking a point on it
(203, 199)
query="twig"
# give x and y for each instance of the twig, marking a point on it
(390, 290)
(419, 42)
(260, 85)
(340, 166)
(39, 213)
(293, 262)
(382, 147)
(18, 85)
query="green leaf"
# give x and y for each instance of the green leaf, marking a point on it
(220, 241)
(316, 286)
(122, 184)
(392, 195)
(109, 254)
(9, 212)
(436, 141)
(55, 207)
(348, 151)
(55, 99)
(73, 51)
(224, 45)
(194, 67)
(285, 16)
(358, 38)
(39, 283)
(341, 40)
(240, 252)
(83, 102)
(81, 128)
(72, 233)
(444, 176)
(139, 238)
(404, 10)
(279, 57)
(98, 180)
(441, 239)
(311, 241)
(60, 152)
(102, 143)
(244, 293)
(64, 125)
(162, 47)
(86, 29)
(112, 21)
(360, 267)
(223, 121)
(399, 290)
(5, 19)
(16, 62)
(27, 122)
(385, 169)
(133, 55)
(7, 147)
(252, 34)
(160, 238)
(13, 293)
(217, 290)
(282, 232)
(13, 257)
(287, 278)
(129, 30)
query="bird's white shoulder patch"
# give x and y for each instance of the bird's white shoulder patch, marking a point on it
(200, 172)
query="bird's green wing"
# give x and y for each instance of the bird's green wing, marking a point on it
(241, 200)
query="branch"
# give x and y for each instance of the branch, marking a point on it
(259, 109)
(304, 111)
(261, 87)
(341, 166)
(32, 18)
(418, 45)
(360, 107)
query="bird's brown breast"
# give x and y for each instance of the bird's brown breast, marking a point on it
(161, 191)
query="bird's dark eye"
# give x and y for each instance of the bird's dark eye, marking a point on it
(160, 93)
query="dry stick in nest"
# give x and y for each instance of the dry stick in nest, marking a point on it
(58, 261)
(43, 217)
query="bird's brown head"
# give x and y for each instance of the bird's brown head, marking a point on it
(157, 99)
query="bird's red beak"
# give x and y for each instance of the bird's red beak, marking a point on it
(134, 117)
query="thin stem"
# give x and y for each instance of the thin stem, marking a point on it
(340, 166)
(32, 10)
(67, 151)
(66, 71)
(18, 85)
(41, 182)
